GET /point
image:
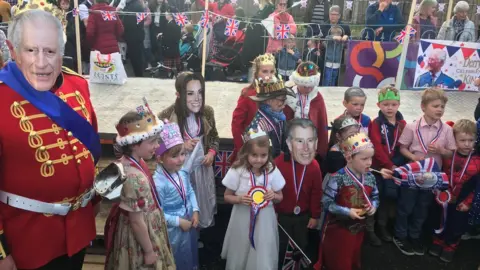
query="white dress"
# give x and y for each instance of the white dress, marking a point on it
(237, 249)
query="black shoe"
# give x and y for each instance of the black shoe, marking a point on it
(404, 246)
(435, 250)
(373, 239)
(418, 248)
(384, 234)
(447, 255)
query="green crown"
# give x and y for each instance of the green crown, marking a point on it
(389, 95)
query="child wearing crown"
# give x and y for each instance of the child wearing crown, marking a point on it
(271, 97)
(253, 184)
(263, 69)
(135, 232)
(308, 103)
(177, 197)
(350, 194)
(196, 121)
(384, 132)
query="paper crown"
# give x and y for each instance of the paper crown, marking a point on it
(26, 5)
(355, 144)
(137, 131)
(348, 122)
(265, 59)
(253, 133)
(271, 89)
(171, 136)
(389, 95)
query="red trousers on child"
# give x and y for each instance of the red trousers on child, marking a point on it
(340, 249)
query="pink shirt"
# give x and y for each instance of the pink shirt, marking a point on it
(410, 138)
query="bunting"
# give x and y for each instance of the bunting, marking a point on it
(141, 16)
(108, 16)
(204, 19)
(75, 12)
(181, 19)
(282, 31)
(232, 27)
(478, 9)
(441, 7)
(303, 3)
(349, 5)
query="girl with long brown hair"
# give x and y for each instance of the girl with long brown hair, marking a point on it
(197, 126)
(251, 241)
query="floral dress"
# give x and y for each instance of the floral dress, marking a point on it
(125, 252)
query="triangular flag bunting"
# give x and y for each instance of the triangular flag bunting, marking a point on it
(438, 46)
(452, 50)
(269, 26)
(467, 52)
(478, 52)
(424, 45)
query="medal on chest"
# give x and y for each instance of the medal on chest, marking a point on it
(257, 193)
(178, 186)
(297, 186)
(360, 183)
(391, 148)
(420, 137)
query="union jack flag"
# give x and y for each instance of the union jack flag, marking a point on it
(181, 19)
(231, 27)
(282, 31)
(222, 163)
(204, 19)
(108, 16)
(141, 16)
(290, 262)
(423, 174)
(403, 34)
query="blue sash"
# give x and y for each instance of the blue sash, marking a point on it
(54, 107)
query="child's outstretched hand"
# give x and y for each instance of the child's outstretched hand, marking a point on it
(195, 219)
(463, 207)
(185, 225)
(355, 213)
(150, 258)
(387, 174)
(270, 195)
(245, 200)
(370, 210)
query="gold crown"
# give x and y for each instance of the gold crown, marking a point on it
(268, 87)
(26, 5)
(356, 143)
(253, 133)
(265, 59)
(136, 131)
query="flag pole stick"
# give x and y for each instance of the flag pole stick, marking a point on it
(205, 29)
(77, 37)
(296, 246)
(449, 11)
(406, 41)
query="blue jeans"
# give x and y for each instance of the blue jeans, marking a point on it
(412, 211)
(330, 76)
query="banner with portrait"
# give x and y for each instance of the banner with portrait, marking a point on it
(451, 65)
(374, 64)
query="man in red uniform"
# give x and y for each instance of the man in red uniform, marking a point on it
(48, 149)
(300, 207)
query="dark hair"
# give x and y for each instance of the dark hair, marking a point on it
(242, 158)
(129, 117)
(300, 122)
(336, 124)
(181, 109)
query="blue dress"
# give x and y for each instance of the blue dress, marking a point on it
(184, 244)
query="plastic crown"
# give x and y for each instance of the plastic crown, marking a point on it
(144, 128)
(265, 59)
(348, 122)
(253, 133)
(26, 5)
(275, 84)
(389, 95)
(171, 136)
(356, 143)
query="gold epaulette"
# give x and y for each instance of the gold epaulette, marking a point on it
(70, 72)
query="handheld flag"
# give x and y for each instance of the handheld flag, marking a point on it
(282, 31)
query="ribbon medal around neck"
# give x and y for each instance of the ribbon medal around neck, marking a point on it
(303, 100)
(137, 165)
(443, 198)
(297, 187)
(385, 132)
(420, 138)
(178, 186)
(257, 193)
(197, 133)
(272, 125)
(359, 182)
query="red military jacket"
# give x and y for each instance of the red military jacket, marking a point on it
(242, 117)
(41, 161)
